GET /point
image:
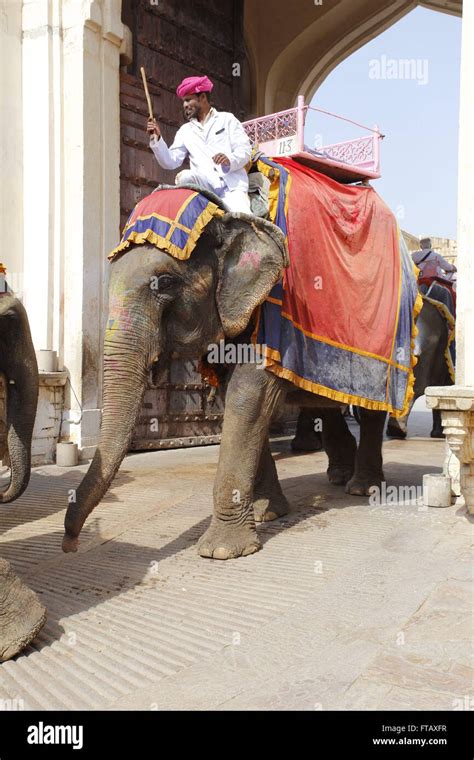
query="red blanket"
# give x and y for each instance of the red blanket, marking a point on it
(342, 321)
(343, 284)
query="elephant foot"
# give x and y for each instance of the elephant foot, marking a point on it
(394, 429)
(341, 453)
(361, 484)
(70, 543)
(339, 474)
(22, 615)
(270, 508)
(308, 441)
(437, 433)
(224, 541)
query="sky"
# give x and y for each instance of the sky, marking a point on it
(418, 115)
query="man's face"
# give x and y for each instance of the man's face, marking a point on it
(192, 105)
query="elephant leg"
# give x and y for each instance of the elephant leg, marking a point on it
(269, 501)
(252, 396)
(22, 615)
(306, 437)
(368, 466)
(397, 426)
(437, 431)
(339, 445)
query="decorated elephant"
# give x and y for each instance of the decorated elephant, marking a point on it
(163, 306)
(21, 613)
(434, 349)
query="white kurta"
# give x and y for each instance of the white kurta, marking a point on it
(220, 133)
(431, 258)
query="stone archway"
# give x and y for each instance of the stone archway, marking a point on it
(303, 46)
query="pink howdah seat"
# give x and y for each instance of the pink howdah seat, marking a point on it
(282, 134)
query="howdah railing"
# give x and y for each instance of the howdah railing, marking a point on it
(282, 134)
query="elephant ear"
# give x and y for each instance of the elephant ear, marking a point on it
(253, 254)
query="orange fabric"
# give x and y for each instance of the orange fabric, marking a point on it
(348, 237)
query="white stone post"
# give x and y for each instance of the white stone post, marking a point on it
(42, 116)
(93, 35)
(457, 402)
(71, 188)
(11, 143)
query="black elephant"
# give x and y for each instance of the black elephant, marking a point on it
(19, 373)
(21, 613)
(431, 345)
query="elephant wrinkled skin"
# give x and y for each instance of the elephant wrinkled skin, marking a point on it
(21, 613)
(161, 307)
(19, 370)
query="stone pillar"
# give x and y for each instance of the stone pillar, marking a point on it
(11, 143)
(42, 115)
(457, 402)
(71, 182)
(92, 37)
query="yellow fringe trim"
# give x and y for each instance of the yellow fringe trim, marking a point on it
(322, 390)
(444, 311)
(274, 191)
(148, 236)
(417, 307)
(272, 355)
(274, 187)
(334, 343)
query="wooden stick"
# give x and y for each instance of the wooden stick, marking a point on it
(148, 99)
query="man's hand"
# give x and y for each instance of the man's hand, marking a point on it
(153, 129)
(221, 158)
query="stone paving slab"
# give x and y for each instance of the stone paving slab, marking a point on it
(348, 606)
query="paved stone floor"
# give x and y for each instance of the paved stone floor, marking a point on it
(348, 605)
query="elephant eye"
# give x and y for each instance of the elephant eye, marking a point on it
(161, 283)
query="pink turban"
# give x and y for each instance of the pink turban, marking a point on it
(193, 84)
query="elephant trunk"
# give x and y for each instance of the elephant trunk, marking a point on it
(125, 373)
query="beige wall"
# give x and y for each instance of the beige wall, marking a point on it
(11, 142)
(445, 246)
(412, 241)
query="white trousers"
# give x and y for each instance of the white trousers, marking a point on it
(236, 200)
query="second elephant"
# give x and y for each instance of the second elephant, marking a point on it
(19, 381)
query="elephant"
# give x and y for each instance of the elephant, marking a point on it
(19, 374)
(195, 303)
(21, 613)
(430, 369)
(307, 437)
